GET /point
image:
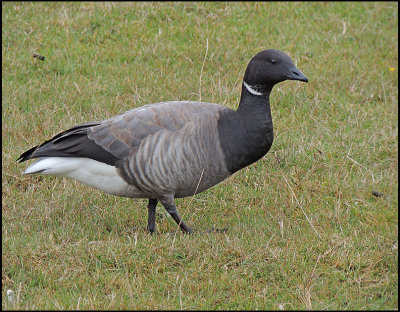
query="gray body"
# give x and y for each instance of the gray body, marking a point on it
(171, 153)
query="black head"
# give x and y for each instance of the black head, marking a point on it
(270, 67)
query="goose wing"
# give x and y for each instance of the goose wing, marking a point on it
(113, 139)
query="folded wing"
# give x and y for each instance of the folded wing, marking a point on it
(113, 139)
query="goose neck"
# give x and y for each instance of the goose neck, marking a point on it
(254, 100)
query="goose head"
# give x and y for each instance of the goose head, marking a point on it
(268, 68)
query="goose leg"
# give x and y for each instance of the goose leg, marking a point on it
(151, 221)
(171, 208)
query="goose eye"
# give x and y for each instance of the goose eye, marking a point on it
(274, 61)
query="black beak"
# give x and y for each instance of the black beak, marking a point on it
(295, 74)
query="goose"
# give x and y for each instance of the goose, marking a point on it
(169, 150)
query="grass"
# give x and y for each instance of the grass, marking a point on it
(304, 230)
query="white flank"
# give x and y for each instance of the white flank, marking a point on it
(251, 90)
(88, 171)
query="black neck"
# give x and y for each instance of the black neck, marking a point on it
(246, 134)
(254, 103)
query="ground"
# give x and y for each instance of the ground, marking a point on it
(304, 229)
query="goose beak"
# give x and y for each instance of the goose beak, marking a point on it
(296, 74)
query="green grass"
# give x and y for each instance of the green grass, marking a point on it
(304, 230)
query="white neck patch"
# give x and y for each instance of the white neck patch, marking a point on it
(250, 89)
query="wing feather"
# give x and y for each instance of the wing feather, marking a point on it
(117, 137)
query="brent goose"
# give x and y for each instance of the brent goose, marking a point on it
(172, 149)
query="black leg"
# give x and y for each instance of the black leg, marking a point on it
(170, 207)
(151, 221)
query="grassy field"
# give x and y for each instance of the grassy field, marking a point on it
(304, 229)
